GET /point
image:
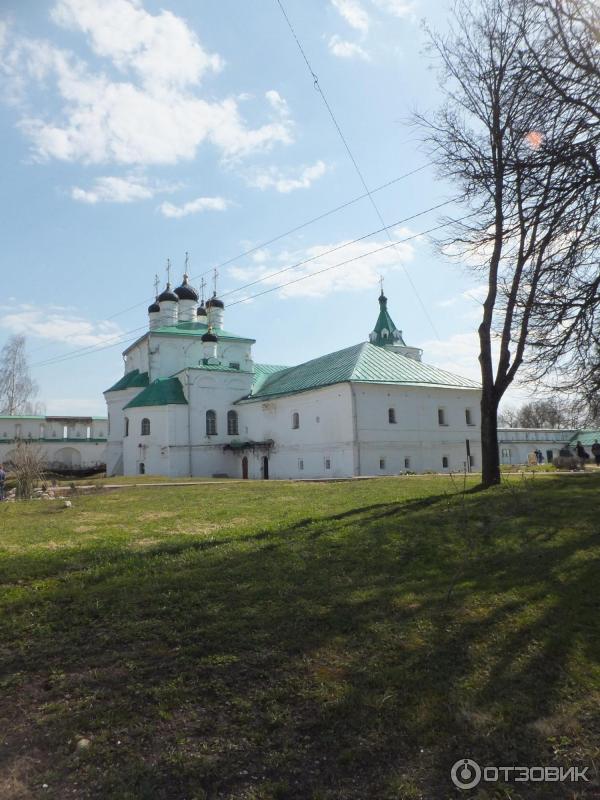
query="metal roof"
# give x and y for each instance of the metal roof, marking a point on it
(188, 329)
(362, 363)
(130, 380)
(262, 372)
(586, 437)
(161, 392)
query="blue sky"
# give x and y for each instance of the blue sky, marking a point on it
(135, 131)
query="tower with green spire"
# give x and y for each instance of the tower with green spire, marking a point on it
(386, 334)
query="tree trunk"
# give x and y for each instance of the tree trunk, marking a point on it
(490, 466)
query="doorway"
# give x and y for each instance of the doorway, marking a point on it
(265, 468)
(245, 468)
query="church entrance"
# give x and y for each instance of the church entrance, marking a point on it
(245, 467)
(265, 468)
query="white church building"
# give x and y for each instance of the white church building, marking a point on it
(193, 402)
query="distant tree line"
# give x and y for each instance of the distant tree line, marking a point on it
(558, 412)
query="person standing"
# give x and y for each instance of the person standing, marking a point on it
(2, 481)
(596, 452)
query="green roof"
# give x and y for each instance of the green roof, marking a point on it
(196, 329)
(385, 330)
(216, 368)
(161, 392)
(129, 380)
(362, 363)
(586, 437)
(262, 372)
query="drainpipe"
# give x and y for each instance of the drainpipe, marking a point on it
(355, 428)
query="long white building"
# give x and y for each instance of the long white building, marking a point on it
(65, 442)
(193, 401)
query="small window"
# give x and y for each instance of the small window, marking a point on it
(142, 468)
(234, 365)
(445, 462)
(407, 463)
(145, 427)
(441, 416)
(126, 426)
(468, 417)
(65, 432)
(382, 463)
(232, 423)
(300, 464)
(88, 432)
(295, 420)
(392, 416)
(211, 423)
(327, 463)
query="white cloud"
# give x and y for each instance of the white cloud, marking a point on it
(457, 353)
(194, 207)
(476, 294)
(152, 114)
(354, 14)
(114, 189)
(274, 178)
(277, 102)
(160, 48)
(399, 8)
(361, 273)
(344, 49)
(58, 326)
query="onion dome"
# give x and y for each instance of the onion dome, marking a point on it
(154, 308)
(185, 291)
(168, 295)
(214, 302)
(209, 336)
(200, 311)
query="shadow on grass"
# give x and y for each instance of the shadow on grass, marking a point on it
(319, 661)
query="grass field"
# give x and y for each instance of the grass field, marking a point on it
(303, 641)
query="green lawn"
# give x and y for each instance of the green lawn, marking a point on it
(305, 641)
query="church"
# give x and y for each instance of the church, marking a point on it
(194, 402)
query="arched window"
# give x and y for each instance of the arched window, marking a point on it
(392, 416)
(211, 423)
(126, 426)
(145, 427)
(232, 423)
(295, 420)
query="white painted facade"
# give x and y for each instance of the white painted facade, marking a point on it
(338, 428)
(64, 442)
(516, 444)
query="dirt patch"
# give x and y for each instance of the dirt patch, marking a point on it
(149, 515)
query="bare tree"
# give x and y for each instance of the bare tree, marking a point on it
(531, 194)
(26, 465)
(567, 67)
(17, 389)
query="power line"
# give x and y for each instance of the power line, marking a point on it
(393, 243)
(351, 155)
(349, 260)
(339, 247)
(289, 232)
(118, 337)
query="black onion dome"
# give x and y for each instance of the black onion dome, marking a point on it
(168, 295)
(214, 302)
(153, 308)
(200, 311)
(209, 337)
(186, 292)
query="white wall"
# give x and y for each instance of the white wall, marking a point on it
(416, 435)
(325, 433)
(515, 444)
